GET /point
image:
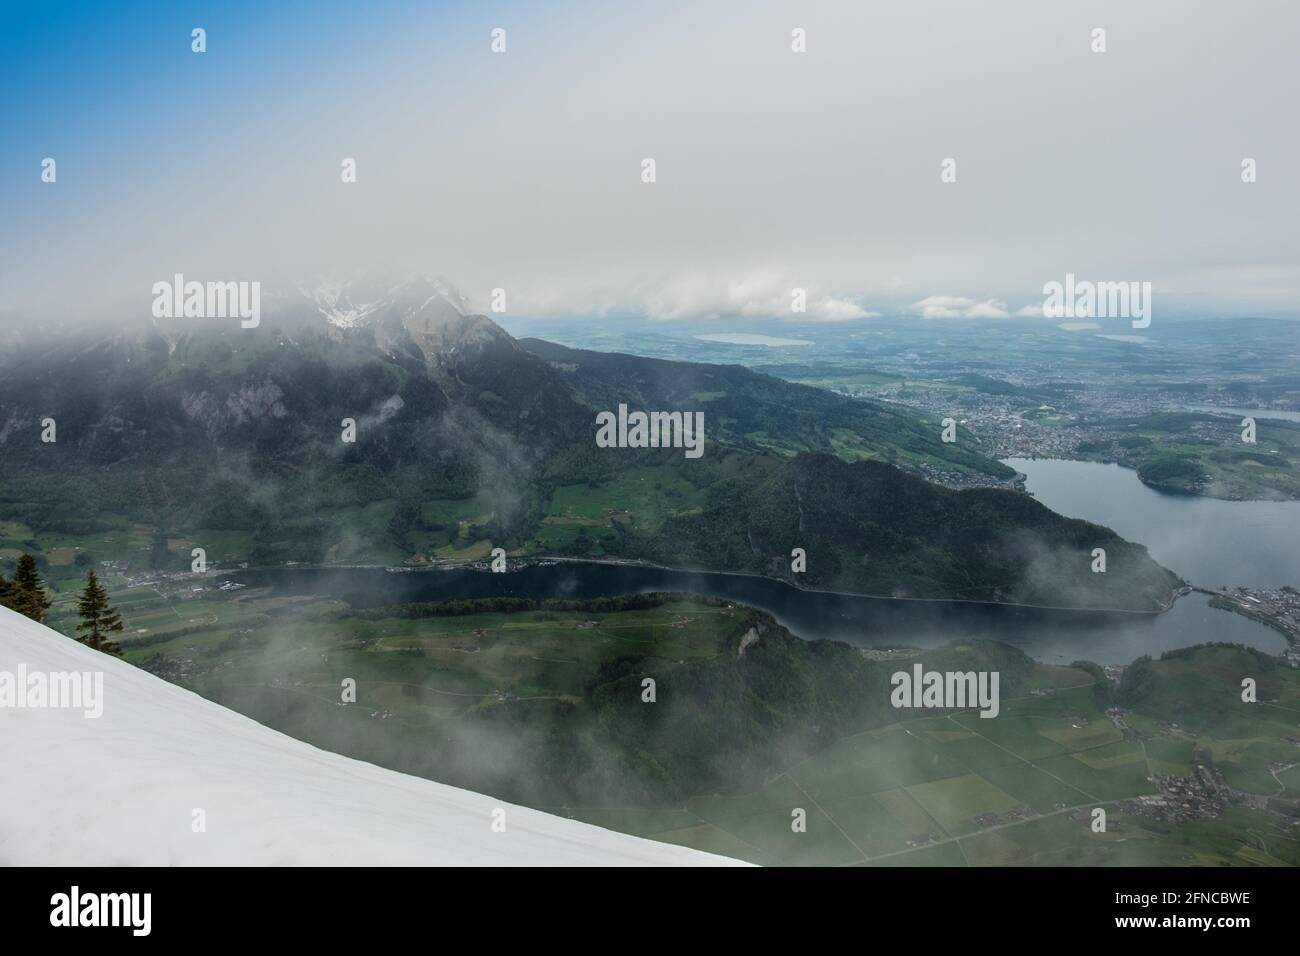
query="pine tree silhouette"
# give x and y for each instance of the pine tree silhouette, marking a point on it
(27, 591)
(98, 617)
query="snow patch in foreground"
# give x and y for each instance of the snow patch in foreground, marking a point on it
(121, 789)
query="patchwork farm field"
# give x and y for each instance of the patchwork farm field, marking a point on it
(925, 792)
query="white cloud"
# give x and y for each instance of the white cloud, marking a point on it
(960, 307)
(758, 294)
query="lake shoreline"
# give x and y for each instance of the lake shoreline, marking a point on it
(625, 562)
(1052, 636)
(1228, 602)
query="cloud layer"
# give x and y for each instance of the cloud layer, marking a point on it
(522, 170)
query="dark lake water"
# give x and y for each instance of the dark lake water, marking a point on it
(1209, 542)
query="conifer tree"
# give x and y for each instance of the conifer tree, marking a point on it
(97, 617)
(27, 590)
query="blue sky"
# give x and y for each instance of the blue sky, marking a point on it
(141, 125)
(142, 128)
(89, 78)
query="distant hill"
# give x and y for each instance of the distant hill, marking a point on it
(756, 412)
(1199, 688)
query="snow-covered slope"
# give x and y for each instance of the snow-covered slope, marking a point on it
(124, 788)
